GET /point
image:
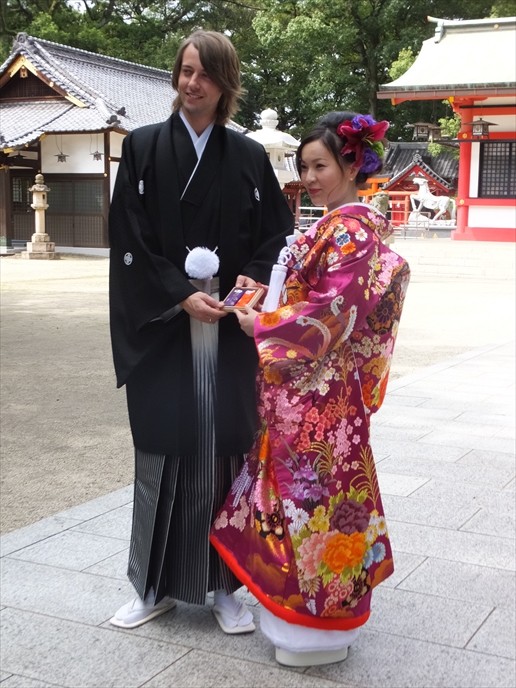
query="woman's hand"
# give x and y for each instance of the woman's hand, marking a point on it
(246, 319)
(245, 282)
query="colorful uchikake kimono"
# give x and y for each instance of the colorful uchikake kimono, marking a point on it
(303, 525)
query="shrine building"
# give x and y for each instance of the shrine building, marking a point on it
(65, 112)
(472, 64)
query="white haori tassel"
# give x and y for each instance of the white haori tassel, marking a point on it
(293, 237)
(278, 275)
(202, 263)
(276, 282)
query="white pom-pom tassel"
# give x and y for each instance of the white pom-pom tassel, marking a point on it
(201, 263)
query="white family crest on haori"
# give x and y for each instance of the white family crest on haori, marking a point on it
(201, 263)
(141, 186)
(128, 258)
(257, 194)
(428, 200)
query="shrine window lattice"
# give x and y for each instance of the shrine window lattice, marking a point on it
(497, 170)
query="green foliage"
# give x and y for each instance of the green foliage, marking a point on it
(357, 496)
(405, 60)
(301, 57)
(450, 126)
(296, 541)
(334, 500)
(357, 570)
(503, 8)
(345, 575)
(325, 572)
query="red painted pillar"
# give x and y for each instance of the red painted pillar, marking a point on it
(464, 172)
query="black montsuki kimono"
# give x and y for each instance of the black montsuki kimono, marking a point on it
(233, 202)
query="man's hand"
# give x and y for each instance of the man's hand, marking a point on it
(202, 307)
(243, 281)
(246, 319)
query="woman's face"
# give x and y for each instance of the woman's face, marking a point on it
(327, 183)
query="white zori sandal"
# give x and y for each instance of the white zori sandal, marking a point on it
(137, 612)
(232, 616)
(303, 659)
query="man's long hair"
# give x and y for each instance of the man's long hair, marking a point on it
(219, 59)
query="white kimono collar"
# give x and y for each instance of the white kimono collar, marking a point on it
(199, 142)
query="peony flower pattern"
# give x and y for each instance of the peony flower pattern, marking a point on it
(315, 541)
(350, 517)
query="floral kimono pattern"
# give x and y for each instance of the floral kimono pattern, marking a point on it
(303, 526)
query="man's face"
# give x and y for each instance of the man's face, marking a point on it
(199, 95)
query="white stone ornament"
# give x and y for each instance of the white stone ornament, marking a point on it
(201, 263)
(141, 187)
(426, 199)
(128, 258)
(257, 194)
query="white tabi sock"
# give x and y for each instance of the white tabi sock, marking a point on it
(233, 612)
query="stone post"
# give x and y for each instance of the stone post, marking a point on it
(6, 227)
(380, 201)
(40, 247)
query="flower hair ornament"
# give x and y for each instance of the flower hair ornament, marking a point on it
(363, 137)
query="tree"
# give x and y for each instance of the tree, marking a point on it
(450, 127)
(406, 59)
(301, 57)
(503, 8)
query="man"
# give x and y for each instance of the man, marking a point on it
(189, 371)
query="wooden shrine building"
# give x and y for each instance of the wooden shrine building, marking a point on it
(65, 112)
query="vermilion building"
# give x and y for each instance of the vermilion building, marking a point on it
(472, 64)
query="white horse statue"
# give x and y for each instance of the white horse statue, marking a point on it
(428, 200)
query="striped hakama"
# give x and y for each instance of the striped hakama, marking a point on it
(176, 498)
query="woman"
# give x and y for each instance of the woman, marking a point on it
(303, 526)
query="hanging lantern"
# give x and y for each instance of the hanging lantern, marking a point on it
(480, 128)
(61, 157)
(97, 155)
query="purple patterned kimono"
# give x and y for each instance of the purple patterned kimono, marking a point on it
(303, 526)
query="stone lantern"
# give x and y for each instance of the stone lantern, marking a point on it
(40, 247)
(421, 130)
(277, 144)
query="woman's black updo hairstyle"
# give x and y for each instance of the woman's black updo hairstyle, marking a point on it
(326, 131)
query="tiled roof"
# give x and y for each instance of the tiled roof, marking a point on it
(106, 85)
(466, 53)
(401, 153)
(418, 160)
(18, 120)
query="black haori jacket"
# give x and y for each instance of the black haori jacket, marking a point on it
(234, 201)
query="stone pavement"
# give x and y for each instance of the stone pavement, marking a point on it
(444, 445)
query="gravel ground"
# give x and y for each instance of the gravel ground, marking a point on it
(65, 433)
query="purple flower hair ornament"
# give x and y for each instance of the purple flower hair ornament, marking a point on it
(371, 161)
(361, 121)
(363, 137)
